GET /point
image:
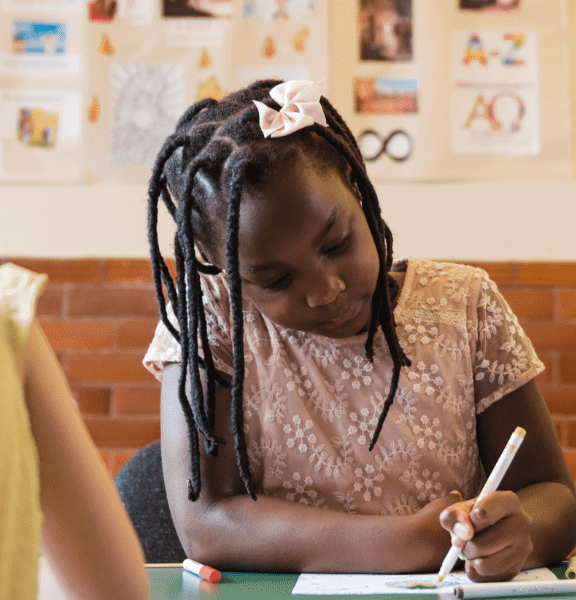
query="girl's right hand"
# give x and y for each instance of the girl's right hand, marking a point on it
(435, 507)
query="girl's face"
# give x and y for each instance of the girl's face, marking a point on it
(307, 258)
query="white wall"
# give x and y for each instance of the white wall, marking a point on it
(528, 220)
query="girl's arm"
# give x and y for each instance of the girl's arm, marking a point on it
(86, 532)
(533, 524)
(228, 530)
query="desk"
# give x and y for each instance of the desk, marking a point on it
(173, 583)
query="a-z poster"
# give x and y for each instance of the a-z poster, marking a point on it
(467, 89)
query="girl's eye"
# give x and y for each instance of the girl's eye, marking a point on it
(279, 284)
(340, 247)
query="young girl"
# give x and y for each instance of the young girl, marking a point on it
(355, 399)
(54, 489)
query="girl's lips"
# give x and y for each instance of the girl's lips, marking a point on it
(350, 314)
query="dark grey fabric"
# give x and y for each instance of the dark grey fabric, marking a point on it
(141, 486)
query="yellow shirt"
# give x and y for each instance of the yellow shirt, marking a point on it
(20, 515)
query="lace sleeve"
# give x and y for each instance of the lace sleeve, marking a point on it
(165, 349)
(505, 358)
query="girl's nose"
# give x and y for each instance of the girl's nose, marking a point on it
(326, 291)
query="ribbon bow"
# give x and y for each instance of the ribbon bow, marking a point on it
(300, 102)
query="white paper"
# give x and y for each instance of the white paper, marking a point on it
(147, 100)
(42, 6)
(65, 104)
(495, 105)
(136, 12)
(196, 33)
(315, 584)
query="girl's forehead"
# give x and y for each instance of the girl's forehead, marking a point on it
(292, 205)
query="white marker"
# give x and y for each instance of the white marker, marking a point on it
(207, 573)
(490, 486)
(515, 588)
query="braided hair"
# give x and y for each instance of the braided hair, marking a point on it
(216, 153)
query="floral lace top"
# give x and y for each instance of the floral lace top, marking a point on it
(311, 403)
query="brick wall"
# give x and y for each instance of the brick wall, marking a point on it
(100, 315)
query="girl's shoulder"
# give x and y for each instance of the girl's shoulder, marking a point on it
(441, 284)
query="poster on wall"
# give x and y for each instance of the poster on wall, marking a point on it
(495, 105)
(283, 39)
(385, 30)
(489, 5)
(40, 90)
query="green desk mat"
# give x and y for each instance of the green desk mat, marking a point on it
(173, 583)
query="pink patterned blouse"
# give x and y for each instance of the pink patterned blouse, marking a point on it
(311, 403)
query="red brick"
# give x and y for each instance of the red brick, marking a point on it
(546, 335)
(547, 274)
(570, 456)
(547, 376)
(51, 301)
(110, 367)
(113, 300)
(567, 368)
(133, 269)
(111, 433)
(117, 460)
(136, 400)
(571, 430)
(78, 334)
(561, 429)
(93, 400)
(105, 456)
(117, 270)
(136, 333)
(560, 399)
(534, 304)
(64, 270)
(566, 304)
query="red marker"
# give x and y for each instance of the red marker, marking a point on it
(207, 573)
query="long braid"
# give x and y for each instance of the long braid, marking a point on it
(232, 265)
(223, 142)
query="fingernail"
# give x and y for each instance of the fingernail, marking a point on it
(461, 531)
(457, 493)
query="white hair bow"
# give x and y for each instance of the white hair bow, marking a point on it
(300, 102)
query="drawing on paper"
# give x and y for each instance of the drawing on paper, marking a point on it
(385, 30)
(383, 96)
(146, 100)
(37, 127)
(299, 39)
(30, 37)
(210, 89)
(197, 8)
(490, 5)
(102, 10)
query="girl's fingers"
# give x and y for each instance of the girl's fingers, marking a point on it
(456, 520)
(508, 532)
(493, 508)
(500, 566)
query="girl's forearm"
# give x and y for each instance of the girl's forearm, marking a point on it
(552, 507)
(274, 535)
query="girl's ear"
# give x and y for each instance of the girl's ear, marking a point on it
(204, 257)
